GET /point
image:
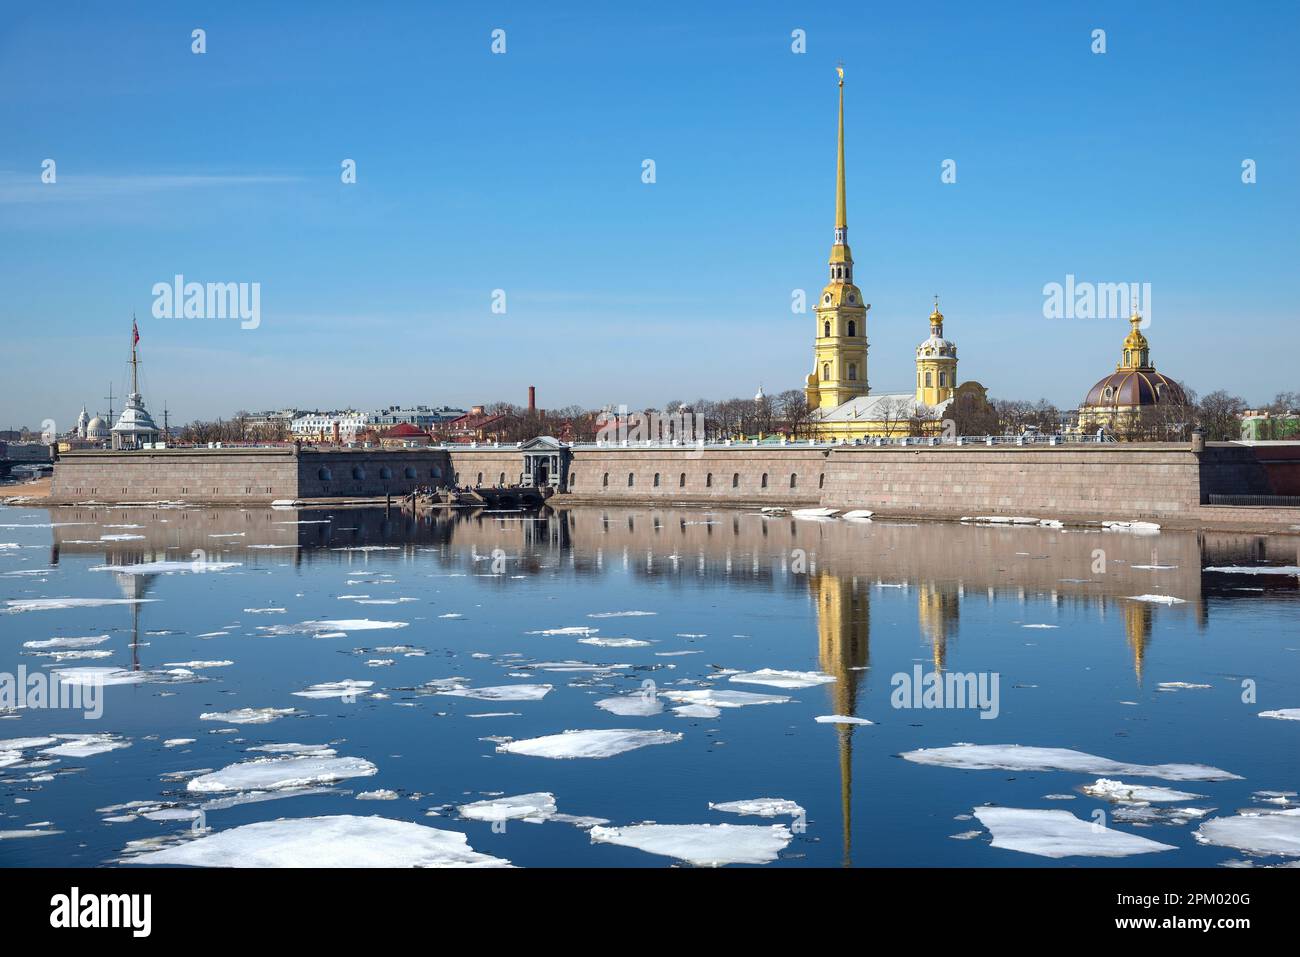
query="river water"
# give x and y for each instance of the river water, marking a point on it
(1128, 653)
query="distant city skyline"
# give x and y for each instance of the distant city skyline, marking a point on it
(522, 172)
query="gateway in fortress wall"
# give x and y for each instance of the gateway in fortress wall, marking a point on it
(1163, 483)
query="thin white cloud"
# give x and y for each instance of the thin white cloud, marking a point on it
(72, 187)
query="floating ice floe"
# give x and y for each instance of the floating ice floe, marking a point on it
(1158, 599)
(27, 832)
(120, 537)
(1060, 834)
(10, 745)
(1040, 626)
(160, 568)
(177, 742)
(840, 719)
(858, 514)
(621, 614)
(1178, 686)
(704, 845)
(272, 774)
(1015, 757)
(563, 666)
(762, 807)
(331, 626)
(1283, 714)
(86, 642)
(721, 698)
(85, 745)
(342, 840)
(383, 794)
(199, 664)
(614, 642)
(1255, 569)
(603, 743)
(1256, 832)
(1109, 790)
(696, 711)
(815, 512)
(783, 679)
(568, 630)
(346, 688)
(634, 705)
(102, 676)
(534, 808)
(247, 715)
(1146, 527)
(53, 604)
(520, 692)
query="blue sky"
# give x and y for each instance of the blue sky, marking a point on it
(522, 172)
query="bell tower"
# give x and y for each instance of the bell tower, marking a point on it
(840, 339)
(936, 364)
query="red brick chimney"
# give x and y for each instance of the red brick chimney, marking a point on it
(532, 398)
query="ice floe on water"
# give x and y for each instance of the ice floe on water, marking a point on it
(696, 711)
(621, 614)
(840, 719)
(634, 705)
(704, 845)
(1015, 757)
(534, 808)
(762, 807)
(382, 794)
(783, 679)
(1262, 832)
(1051, 833)
(1109, 790)
(272, 774)
(247, 715)
(330, 626)
(101, 676)
(342, 840)
(166, 568)
(54, 604)
(1158, 599)
(1255, 569)
(87, 642)
(615, 642)
(519, 692)
(85, 745)
(721, 698)
(602, 743)
(347, 688)
(1179, 686)
(1282, 714)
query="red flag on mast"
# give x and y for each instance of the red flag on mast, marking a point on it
(135, 333)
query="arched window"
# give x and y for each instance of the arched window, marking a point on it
(821, 480)
(681, 482)
(735, 480)
(410, 472)
(656, 480)
(927, 380)
(708, 480)
(435, 472)
(502, 479)
(631, 479)
(826, 372)
(358, 473)
(764, 480)
(943, 379)
(457, 478)
(853, 372)
(826, 329)
(1126, 357)
(573, 479)
(385, 472)
(794, 480)
(480, 479)
(605, 481)
(324, 475)
(853, 326)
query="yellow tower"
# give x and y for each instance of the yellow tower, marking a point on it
(840, 347)
(936, 364)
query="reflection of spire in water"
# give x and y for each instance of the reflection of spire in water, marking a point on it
(1137, 629)
(135, 586)
(844, 648)
(937, 612)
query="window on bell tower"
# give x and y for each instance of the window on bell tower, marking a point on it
(826, 372)
(943, 379)
(826, 330)
(853, 372)
(853, 328)
(927, 380)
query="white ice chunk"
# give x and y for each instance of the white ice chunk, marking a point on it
(102, 676)
(1256, 832)
(621, 614)
(52, 604)
(704, 845)
(783, 679)
(86, 642)
(632, 705)
(270, 774)
(840, 719)
(1015, 757)
(603, 743)
(246, 715)
(158, 568)
(521, 692)
(343, 840)
(1060, 834)
(614, 642)
(763, 807)
(716, 698)
(696, 711)
(1109, 790)
(1283, 714)
(85, 745)
(1158, 599)
(533, 808)
(346, 688)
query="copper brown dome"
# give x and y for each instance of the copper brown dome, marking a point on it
(1135, 387)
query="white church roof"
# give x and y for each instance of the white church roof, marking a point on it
(881, 407)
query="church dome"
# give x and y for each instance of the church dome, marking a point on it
(96, 428)
(1135, 383)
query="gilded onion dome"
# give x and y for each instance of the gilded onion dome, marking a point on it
(1135, 382)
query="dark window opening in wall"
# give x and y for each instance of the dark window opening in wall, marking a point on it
(735, 480)
(385, 473)
(573, 480)
(853, 328)
(324, 475)
(708, 480)
(794, 480)
(457, 478)
(480, 479)
(411, 473)
(631, 479)
(358, 473)
(821, 480)
(502, 480)
(681, 482)
(605, 480)
(656, 480)
(764, 483)
(435, 472)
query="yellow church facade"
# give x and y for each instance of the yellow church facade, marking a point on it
(837, 390)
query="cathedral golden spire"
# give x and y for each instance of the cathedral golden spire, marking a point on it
(841, 207)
